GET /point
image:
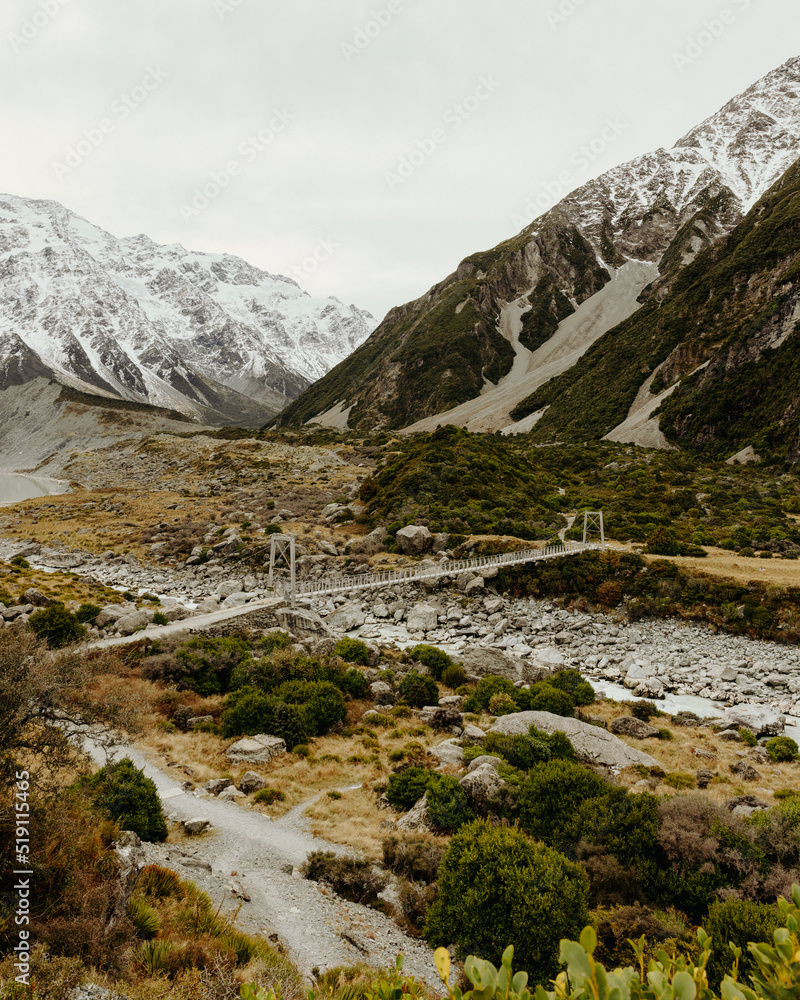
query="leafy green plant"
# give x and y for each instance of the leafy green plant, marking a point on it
(87, 613)
(448, 807)
(56, 626)
(782, 748)
(159, 618)
(418, 689)
(435, 659)
(737, 922)
(123, 791)
(408, 786)
(488, 982)
(352, 650)
(269, 795)
(143, 917)
(749, 738)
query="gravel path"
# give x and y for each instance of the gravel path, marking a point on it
(316, 930)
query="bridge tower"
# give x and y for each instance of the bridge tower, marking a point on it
(282, 548)
(593, 522)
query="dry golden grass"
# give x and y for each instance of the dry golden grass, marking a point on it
(354, 820)
(57, 586)
(719, 562)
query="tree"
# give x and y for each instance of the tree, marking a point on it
(497, 887)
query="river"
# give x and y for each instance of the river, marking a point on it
(14, 488)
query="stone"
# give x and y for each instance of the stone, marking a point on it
(236, 600)
(230, 794)
(256, 749)
(65, 560)
(31, 549)
(731, 736)
(445, 717)
(763, 720)
(196, 826)
(417, 819)
(493, 605)
(746, 771)
(473, 735)
(592, 744)
(382, 693)
(134, 622)
(347, 618)
(91, 991)
(482, 661)
(746, 805)
(414, 539)
(449, 753)
(217, 785)
(177, 614)
(113, 613)
(475, 586)
(484, 788)
(704, 777)
(251, 782)
(422, 618)
(36, 598)
(380, 611)
(487, 759)
(627, 725)
(688, 719)
(549, 658)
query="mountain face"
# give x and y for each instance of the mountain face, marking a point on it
(476, 349)
(208, 335)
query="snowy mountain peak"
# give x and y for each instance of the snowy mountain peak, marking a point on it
(208, 334)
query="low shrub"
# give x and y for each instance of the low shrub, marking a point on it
(453, 676)
(782, 748)
(352, 878)
(144, 918)
(418, 689)
(87, 613)
(159, 618)
(408, 786)
(321, 703)
(643, 710)
(488, 686)
(414, 856)
(354, 684)
(448, 807)
(352, 650)
(738, 922)
(435, 659)
(527, 751)
(502, 704)
(130, 798)
(495, 886)
(550, 699)
(749, 738)
(56, 626)
(249, 711)
(269, 795)
(159, 882)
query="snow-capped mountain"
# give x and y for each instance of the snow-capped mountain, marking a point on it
(478, 345)
(205, 334)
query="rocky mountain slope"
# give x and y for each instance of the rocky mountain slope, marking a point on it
(509, 320)
(206, 334)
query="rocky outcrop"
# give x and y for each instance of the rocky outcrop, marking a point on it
(414, 539)
(258, 749)
(627, 725)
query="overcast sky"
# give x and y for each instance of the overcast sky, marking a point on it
(364, 147)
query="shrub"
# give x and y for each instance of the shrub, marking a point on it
(581, 691)
(749, 738)
(488, 686)
(268, 795)
(447, 804)
(159, 618)
(123, 791)
(321, 703)
(414, 856)
(407, 786)
(418, 689)
(662, 543)
(782, 748)
(525, 752)
(502, 704)
(453, 676)
(679, 781)
(206, 663)
(644, 710)
(739, 922)
(181, 716)
(495, 886)
(436, 660)
(87, 613)
(21, 562)
(56, 626)
(550, 699)
(159, 882)
(352, 650)
(248, 711)
(353, 878)
(354, 684)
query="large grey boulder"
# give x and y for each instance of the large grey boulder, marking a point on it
(36, 597)
(258, 749)
(347, 618)
(417, 819)
(763, 720)
(422, 618)
(592, 744)
(382, 693)
(414, 539)
(134, 622)
(113, 613)
(449, 753)
(487, 759)
(628, 725)
(194, 827)
(251, 782)
(548, 658)
(483, 662)
(224, 590)
(484, 788)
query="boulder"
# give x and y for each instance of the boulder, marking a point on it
(417, 819)
(231, 794)
(763, 720)
(549, 658)
(196, 826)
(134, 622)
(627, 725)
(36, 598)
(745, 770)
(746, 805)
(731, 736)
(237, 600)
(449, 753)
(445, 717)
(258, 749)
(483, 661)
(422, 618)
(31, 549)
(251, 782)
(380, 611)
(224, 590)
(382, 693)
(65, 560)
(195, 721)
(414, 539)
(704, 777)
(217, 785)
(475, 586)
(347, 618)
(592, 744)
(473, 735)
(486, 759)
(113, 613)
(484, 788)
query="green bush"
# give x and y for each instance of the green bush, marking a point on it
(644, 710)
(355, 879)
(249, 711)
(87, 613)
(502, 704)
(739, 922)
(354, 684)
(525, 752)
(208, 662)
(497, 887)
(749, 738)
(408, 786)
(453, 676)
(123, 791)
(269, 795)
(144, 918)
(436, 660)
(159, 618)
(487, 687)
(782, 748)
(581, 691)
(419, 689)
(447, 804)
(551, 699)
(550, 797)
(352, 650)
(56, 626)
(321, 703)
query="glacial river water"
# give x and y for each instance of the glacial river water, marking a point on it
(14, 487)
